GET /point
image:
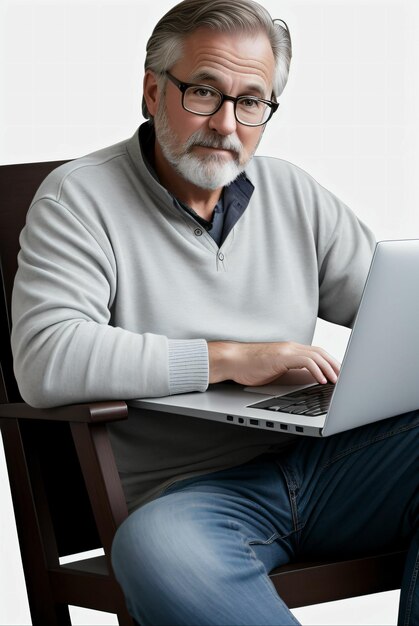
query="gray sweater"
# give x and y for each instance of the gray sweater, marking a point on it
(118, 292)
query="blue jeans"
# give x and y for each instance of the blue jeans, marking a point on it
(201, 553)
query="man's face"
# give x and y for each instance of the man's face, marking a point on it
(210, 151)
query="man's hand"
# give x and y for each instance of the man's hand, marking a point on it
(261, 363)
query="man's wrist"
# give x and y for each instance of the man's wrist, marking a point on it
(220, 358)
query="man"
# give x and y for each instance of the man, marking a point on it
(177, 259)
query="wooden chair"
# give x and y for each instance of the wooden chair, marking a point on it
(65, 487)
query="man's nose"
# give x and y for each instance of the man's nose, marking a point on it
(224, 120)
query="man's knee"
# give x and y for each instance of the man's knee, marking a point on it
(163, 539)
(142, 541)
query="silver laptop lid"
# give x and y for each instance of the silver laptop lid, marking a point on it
(379, 376)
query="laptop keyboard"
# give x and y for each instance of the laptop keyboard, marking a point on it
(313, 400)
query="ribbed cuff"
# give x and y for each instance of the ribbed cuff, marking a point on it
(188, 365)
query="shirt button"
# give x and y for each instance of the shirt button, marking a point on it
(198, 232)
(221, 256)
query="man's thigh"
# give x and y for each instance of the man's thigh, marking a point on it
(358, 490)
(201, 553)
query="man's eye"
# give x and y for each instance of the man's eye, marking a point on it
(250, 103)
(202, 92)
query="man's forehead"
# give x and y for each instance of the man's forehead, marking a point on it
(208, 55)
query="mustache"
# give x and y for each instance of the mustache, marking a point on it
(200, 138)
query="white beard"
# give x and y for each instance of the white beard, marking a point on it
(208, 172)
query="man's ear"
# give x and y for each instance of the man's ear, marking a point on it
(151, 92)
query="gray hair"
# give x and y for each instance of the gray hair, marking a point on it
(164, 48)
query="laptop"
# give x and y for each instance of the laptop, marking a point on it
(378, 377)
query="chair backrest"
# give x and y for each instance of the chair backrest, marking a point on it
(52, 465)
(18, 184)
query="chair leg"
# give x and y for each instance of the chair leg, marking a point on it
(50, 615)
(36, 554)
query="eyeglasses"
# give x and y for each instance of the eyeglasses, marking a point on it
(206, 100)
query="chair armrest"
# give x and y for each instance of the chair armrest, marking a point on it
(94, 413)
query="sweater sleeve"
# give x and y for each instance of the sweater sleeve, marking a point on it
(65, 347)
(322, 239)
(345, 246)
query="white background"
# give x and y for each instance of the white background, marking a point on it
(70, 82)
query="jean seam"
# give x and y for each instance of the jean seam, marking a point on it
(267, 581)
(293, 489)
(266, 542)
(270, 540)
(364, 444)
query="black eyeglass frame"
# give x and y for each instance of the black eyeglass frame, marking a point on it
(184, 86)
